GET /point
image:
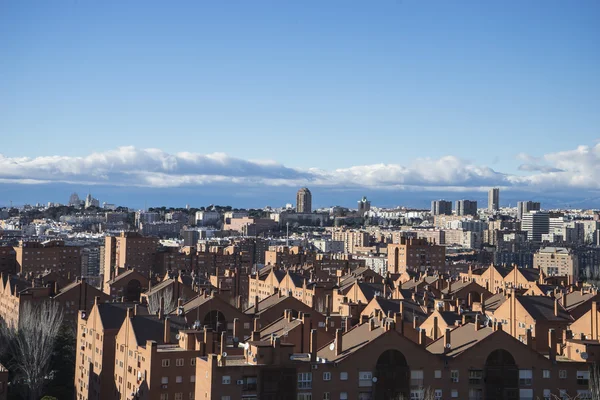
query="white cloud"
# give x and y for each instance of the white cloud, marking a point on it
(579, 168)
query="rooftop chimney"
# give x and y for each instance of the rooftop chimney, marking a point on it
(129, 312)
(422, 337)
(447, 340)
(167, 332)
(399, 322)
(594, 320)
(477, 322)
(371, 324)
(529, 338)
(556, 307)
(435, 328)
(255, 304)
(161, 308)
(338, 342)
(552, 345)
(257, 324)
(313, 344)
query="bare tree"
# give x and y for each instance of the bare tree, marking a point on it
(31, 344)
(595, 381)
(167, 296)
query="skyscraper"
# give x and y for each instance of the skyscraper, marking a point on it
(527, 206)
(364, 206)
(536, 224)
(494, 199)
(441, 207)
(466, 207)
(304, 201)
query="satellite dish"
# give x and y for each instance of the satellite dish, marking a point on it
(448, 346)
(224, 354)
(374, 379)
(584, 355)
(178, 336)
(254, 360)
(246, 345)
(332, 346)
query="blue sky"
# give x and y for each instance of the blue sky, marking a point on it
(327, 85)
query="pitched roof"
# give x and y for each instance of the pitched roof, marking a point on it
(123, 275)
(462, 338)
(393, 305)
(149, 327)
(575, 299)
(279, 328)
(492, 303)
(352, 341)
(542, 308)
(112, 315)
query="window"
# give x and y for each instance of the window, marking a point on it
(343, 396)
(304, 396)
(563, 394)
(416, 394)
(454, 393)
(226, 380)
(343, 376)
(178, 396)
(193, 361)
(326, 376)
(166, 363)
(525, 377)
(475, 394)
(526, 394)
(437, 374)
(438, 394)
(475, 376)
(365, 378)
(246, 325)
(304, 380)
(193, 396)
(454, 375)
(225, 397)
(546, 374)
(547, 394)
(326, 396)
(584, 395)
(164, 380)
(179, 362)
(416, 378)
(562, 374)
(583, 377)
(164, 396)
(178, 379)
(250, 383)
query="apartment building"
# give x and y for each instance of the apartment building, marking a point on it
(127, 251)
(557, 261)
(37, 257)
(8, 260)
(415, 254)
(352, 239)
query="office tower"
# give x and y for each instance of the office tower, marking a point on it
(304, 201)
(527, 206)
(494, 199)
(364, 206)
(466, 207)
(441, 207)
(536, 224)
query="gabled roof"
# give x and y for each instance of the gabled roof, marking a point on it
(112, 315)
(279, 328)
(297, 280)
(462, 338)
(457, 286)
(575, 299)
(160, 286)
(124, 275)
(393, 305)
(352, 341)
(492, 303)
(541, 308)
(149, 327)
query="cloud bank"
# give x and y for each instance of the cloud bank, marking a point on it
(131, 166)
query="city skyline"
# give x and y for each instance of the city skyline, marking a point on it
(253, 82)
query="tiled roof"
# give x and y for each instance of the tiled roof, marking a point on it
(492, 303)
(462, 338)
(542, 308)
(149, 327)
(353, 340)
(575, 299)
(112, 315)
(279, 328)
